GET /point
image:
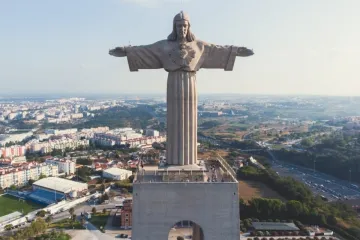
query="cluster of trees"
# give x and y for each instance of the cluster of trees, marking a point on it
(84, 161)
(287, 186)
(266, 209)
(117, 117)
(54, 235)
(302, 204)
(84, 173)
(125, 184)
(247, 144)
(104, 198)
(210, 124)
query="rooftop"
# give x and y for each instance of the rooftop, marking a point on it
(117, 171)
(317, 229)
(275, 226)
(10, 216)
(59, 184)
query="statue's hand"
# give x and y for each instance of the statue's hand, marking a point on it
(244, 52)
(118, 52)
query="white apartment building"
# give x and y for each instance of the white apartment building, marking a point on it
(61, 132)
(117, 136)
(76, 115)
(133, 142)
(95, 130)
(65, 166)
(61, 144)
(21, 175)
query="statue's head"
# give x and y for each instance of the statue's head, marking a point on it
(181, 28)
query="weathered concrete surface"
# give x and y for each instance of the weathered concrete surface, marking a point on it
(213, 206)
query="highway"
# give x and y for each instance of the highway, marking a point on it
(321, 184)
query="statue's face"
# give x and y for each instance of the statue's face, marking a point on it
(182, 29)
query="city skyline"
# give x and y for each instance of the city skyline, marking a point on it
(303, 48)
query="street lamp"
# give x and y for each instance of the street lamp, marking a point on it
(350, 175)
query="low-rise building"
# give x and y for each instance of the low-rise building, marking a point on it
(60, 185)
(318, 231)
(116, 173)
(126, 214)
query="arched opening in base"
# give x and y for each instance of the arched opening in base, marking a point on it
(184, 230)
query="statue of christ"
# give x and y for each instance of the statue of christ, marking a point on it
(182, 56)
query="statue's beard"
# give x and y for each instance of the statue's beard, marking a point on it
(181, 36)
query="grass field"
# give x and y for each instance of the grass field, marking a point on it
(9, 204)
(67, 224)
(99, 219)
(251, 189)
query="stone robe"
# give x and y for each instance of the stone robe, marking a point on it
(182, 61)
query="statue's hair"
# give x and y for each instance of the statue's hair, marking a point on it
(173, 35)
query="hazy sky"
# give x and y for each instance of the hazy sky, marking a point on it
(301, 46)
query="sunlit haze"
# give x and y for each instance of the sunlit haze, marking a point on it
(301, 47)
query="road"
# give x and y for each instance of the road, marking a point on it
(321, 184)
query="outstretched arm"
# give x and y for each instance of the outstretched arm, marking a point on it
(223, 57)
(244, 52)
(140, 57)
(118, 52)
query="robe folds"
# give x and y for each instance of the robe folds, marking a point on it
(182, 61)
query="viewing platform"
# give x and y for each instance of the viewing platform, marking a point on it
(207, 171)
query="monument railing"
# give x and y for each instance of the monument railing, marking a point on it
(227, 167)
(177, 176)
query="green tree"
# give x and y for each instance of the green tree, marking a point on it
(41, 213)
(294, 208)
(105, 197)
(307, 142)
(71, 211)
(8, 227)
(48, 219)
(31, 181)
(42, 176)
(93, 210)
(38, 226)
